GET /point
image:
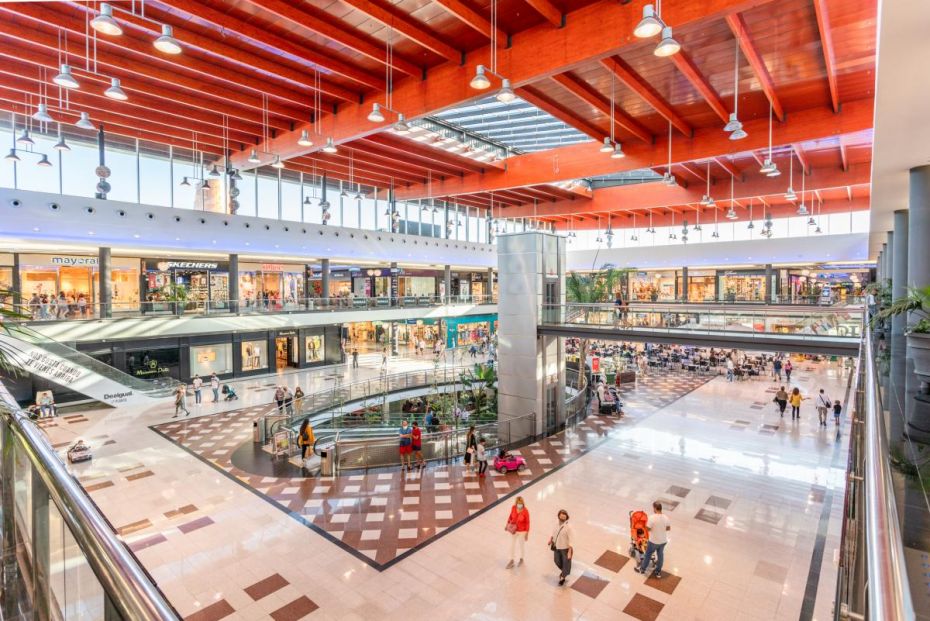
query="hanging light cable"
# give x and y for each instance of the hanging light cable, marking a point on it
(769, 168)
(734, 126)
(802, 208)
(789, 193)
(731, 213)
(668, 178)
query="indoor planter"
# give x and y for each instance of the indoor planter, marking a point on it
(917, 302)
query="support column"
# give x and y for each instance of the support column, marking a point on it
(684, 284)
(447, 279)
(394, 288)
(41, 554)
(884, 256)
(234, 283)
(918, 275)
(324, 280)
(490, 292)
(897, 376)
(889, 256)
(105, 272)
(8, 533)
(771, 294)
(17, 285)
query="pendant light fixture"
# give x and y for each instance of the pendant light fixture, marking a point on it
(789, 193)
(65, 78)
(751, 224)
(253, 157)
(716, 233)
(26, 139)
(376, 116)
(214, 172)
(651, 24)
(185, 182)
(12, 157)
(697, 215)
(84, 122)
(667, 46)
(105, 23)
(116, 91)
(166, 42)
(635, 236)
(304, 139)
(705, 200)
(330, 146)
(277, 163)
(802, 208)
(731, 213)
(684, 231)
(769, 168)
(61, 145)
(41, 115)
(480, 81)
(611, 145)
(43, 162)
(607, 146)
(651, 229)
(734, 126)
(668, 178)
(609, 233)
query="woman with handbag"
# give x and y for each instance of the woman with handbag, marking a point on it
(471, 447)
(561, 545)
(518, 527)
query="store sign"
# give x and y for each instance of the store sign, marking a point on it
(152, 369)
(164, 266)
(74, 261)
(273, 267)
(287, 333)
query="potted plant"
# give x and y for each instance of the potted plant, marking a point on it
(917, 301)
(177, 295)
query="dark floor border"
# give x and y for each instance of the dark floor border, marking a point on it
(384, 566)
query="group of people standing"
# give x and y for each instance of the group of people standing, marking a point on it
(197, 384)
(49, 306)
(285, 399)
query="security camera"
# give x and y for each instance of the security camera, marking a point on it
(16, 202)
(54, 206)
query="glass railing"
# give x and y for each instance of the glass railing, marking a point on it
(23, 358)
(842, 322)
(61, 559)
(49, 312)
(785, 300)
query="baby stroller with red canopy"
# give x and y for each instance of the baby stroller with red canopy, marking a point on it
(639, 538)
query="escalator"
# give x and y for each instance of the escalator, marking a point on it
(30, 352)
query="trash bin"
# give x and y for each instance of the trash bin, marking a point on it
(256, 432)
(326, 462)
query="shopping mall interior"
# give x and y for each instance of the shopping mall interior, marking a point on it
(307, 306)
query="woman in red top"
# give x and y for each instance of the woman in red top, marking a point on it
(518, 525)
(416, 437)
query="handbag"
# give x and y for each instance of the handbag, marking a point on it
(556, 538)
(511, 527)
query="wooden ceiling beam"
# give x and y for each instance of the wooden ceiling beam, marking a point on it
(728, 166)
(844, 155)
(738, 27)
(694, 171)
(472, 18)
(588, 94)
(644, 90)
(565, 115)
(687, 67)
(406, 26)
(407, 157)
(802, 157)
(829, 53)
(425, 151)
(548, 10)
(321, 23)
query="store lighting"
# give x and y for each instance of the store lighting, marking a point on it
(739, 134)
(506, 94)
(401, 126)
(61, 145)
(11, 156)
(277, 163)
(817, 230)
(774, 172)
(751, 225)
(811, 221)
(26, 139)
(185, 182)
(802, 209)
(668, 46)
(166, 42)
(617, 152)
(715, 235)
(84, 122)
(733, 124)
(711, 202)
(214, 172)
(304, 140)
(767, 167)
(65, 78)
(731, 214)
(607, 147)
(116, 91)
(480, 82)
(105, 23)
(253, 157)
(330, 146)
(235, 175)
(41, 115)
(376, 116)
(649, 25)
(790, 195)
(705, 200)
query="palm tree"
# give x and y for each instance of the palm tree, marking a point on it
(10, 303)
(593, 288)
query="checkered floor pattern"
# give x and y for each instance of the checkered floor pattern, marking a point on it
(383, 516)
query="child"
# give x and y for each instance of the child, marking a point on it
(482, 455)
(837, 410)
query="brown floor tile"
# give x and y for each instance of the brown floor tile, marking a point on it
(771, 571)
(666, 583)
(96, 486)
(590, 584)
(133, 527)
(148, 542)
(612, 561)
(718, 502)
(266, 587)
(297, 609)
(140, 475)
(180, 511)
(213, 612)
(711, 517)
(676, 490)
(195, 525)
(643, 608)
(132, 467)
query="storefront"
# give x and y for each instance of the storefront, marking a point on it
(154, 362)
(287, 353)
(78, 279)
(652, 286)
(825, 286)
(411, 330)
(213, 358)
(254, 354)
(274, 286)
(344, 282)
(461, 331)
(742, 286)
(702, 285)
(6, 276)
(192, 285)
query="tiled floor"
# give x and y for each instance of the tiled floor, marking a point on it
(220, 550)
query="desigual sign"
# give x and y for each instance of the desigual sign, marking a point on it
(164, 266)
(74, 260)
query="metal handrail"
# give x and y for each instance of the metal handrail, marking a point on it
(889, 593)
(125, 582)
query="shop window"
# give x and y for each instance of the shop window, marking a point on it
(315, 350)
(207, 359)
(254, 355)
(153, 363)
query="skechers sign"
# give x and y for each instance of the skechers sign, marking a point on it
(164, 266)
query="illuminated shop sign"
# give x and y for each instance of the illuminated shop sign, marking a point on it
(164, 266)
(74, 260)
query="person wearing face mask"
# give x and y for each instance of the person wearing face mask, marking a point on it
(406, 445)
(518, 526)
(561, 545)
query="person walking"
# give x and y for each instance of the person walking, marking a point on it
(406, 445)
(416, 444)
(730, 368)
(471, 447)
(824, 405)
(795, 400)
(279, 398)
(837, 411)
(180, 401)
(215, 387)
(355, 357)
(518, 527)
(482, 456)
(298, 395)
(561, 545)
(197, 385)
(384, 359)
(776, 369)
(288, 401)
(305, 439)
(788, 369)
(657, 526)
(781, 398)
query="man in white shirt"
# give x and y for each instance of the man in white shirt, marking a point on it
(823, 406)
(657, 526)
(197, 383)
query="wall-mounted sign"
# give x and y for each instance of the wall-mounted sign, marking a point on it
(274, 267)
(59, 260)
(287, 333)
(164, 266)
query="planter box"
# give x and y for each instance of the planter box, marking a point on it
(919, 346)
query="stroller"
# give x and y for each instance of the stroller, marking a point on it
(229, 392)
(639, 539)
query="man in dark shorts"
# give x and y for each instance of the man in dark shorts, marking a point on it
(416, 440)
(406, 444)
